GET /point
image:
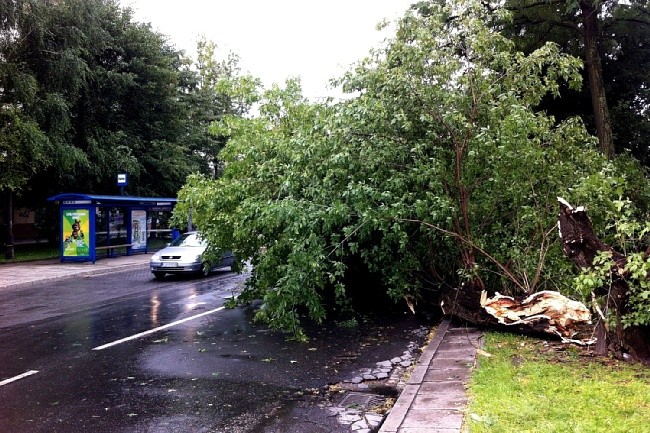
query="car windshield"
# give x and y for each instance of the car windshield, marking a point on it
(188, 240)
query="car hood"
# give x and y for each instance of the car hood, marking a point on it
(181, 251)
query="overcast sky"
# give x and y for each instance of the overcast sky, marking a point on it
(276, 39)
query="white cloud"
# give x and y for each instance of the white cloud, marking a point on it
(277, 39)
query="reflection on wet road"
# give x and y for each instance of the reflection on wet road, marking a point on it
(212, 371)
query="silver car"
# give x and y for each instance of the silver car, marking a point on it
(185, 256)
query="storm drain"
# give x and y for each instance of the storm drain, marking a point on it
(360, 400)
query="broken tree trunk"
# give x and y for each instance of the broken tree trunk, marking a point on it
(551, 313)
(545, 312)
(581, 245)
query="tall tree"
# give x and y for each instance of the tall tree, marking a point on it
(590, 11)
(612, 38)
(207, 100)
(124, 109)
(23, 152)
(24, 147)
(105, 91)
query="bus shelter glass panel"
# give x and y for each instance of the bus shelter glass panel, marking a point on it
(117, 229)
(158, 230)
(101, 226)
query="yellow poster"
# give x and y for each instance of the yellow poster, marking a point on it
(75, 227)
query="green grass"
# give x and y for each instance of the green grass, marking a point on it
(30, 252)
(529, 385)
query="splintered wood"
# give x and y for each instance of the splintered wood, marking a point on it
(547, 312)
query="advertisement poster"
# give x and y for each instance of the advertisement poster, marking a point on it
(76, 223)
(139, 229)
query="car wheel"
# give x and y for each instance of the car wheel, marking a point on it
(158, 275)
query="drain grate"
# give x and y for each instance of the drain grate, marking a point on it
(361, 400)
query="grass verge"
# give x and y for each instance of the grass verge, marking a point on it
(529, 385)
(45, 251)
(31, 252)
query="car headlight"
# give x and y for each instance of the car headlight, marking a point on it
(155, 257)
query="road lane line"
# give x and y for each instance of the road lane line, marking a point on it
(160, 328)
(20, 376)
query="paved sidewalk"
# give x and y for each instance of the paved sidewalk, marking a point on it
(20, 274)
(434, 398)
(432, 401)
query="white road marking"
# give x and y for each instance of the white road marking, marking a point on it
(20, 376)
(160, 328)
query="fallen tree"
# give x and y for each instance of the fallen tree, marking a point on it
(536, 312)
(551, 313)
(436, 182)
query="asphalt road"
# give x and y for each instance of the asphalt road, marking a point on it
(123, 352)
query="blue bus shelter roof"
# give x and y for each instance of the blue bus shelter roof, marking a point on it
(114, 199)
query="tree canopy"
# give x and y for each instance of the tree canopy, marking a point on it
(205, 101)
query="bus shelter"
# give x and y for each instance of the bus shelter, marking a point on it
(97, 226)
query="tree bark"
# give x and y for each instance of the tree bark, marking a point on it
(581, 245)
(595, 74)
(9, 245)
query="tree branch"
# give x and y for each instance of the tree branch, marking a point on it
(512, 277)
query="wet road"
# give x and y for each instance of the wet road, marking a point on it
(72, 359)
